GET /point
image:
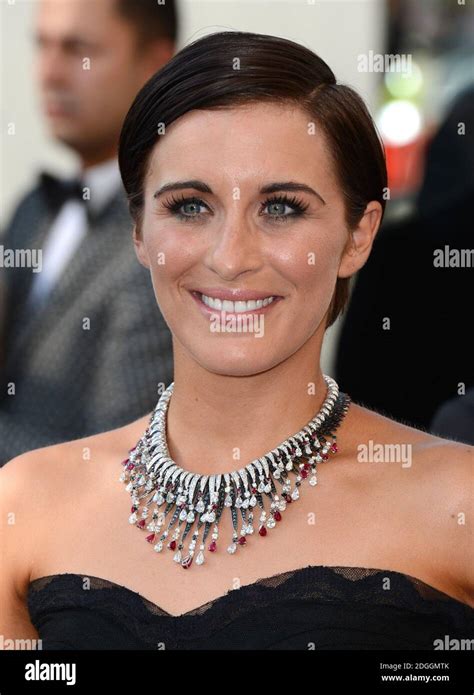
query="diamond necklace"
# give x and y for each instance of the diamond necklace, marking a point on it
(191, 499)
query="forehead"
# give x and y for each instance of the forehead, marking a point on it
(255, 140)
(65, 18)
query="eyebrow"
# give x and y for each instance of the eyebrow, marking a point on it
(269, 188)
(67, 41)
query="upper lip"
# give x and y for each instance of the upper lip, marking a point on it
(234, 295)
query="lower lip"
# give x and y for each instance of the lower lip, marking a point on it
(207, 311)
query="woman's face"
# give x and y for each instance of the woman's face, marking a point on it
(222, 233)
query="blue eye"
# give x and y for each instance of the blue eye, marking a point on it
(281, 202)
(280, 205)
(175, 206)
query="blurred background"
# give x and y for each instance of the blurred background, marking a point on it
(412, 62)
(438, 35)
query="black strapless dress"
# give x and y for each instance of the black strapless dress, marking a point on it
(313, 607)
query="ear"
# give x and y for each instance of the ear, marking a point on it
(140, 248)
(361, 238)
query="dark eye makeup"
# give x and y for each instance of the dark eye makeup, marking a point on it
(298, 206)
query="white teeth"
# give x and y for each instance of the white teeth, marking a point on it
(235, 307)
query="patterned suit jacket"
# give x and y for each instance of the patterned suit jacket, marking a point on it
(91, 359)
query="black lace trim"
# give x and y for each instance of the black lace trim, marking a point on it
(357, 588)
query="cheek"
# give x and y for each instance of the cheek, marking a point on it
(315, 288)
(97, 81)
(312, 270)
(169, 254)
(176, 245)
(311, 264)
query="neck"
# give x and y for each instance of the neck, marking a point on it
(99, 156)
(217, 423)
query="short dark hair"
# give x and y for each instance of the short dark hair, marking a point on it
(151, 20)
(272, 69)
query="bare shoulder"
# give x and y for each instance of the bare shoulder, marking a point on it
(43, 469)
(39, 475)
(431, 483)
(36, 486)
(431, 453)
(443, 472)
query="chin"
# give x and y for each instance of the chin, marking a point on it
(63, 135)
(238, 361)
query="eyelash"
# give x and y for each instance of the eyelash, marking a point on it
(174, 204)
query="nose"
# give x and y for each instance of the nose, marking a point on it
(52, 66)
(236, 248)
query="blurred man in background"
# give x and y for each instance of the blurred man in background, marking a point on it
(84, 343)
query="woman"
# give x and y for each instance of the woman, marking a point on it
(256, 186)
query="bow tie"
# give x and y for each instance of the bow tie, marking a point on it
(57, 191)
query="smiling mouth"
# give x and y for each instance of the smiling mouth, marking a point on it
(235, 307)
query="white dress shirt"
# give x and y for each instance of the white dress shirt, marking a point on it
(70, 227)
